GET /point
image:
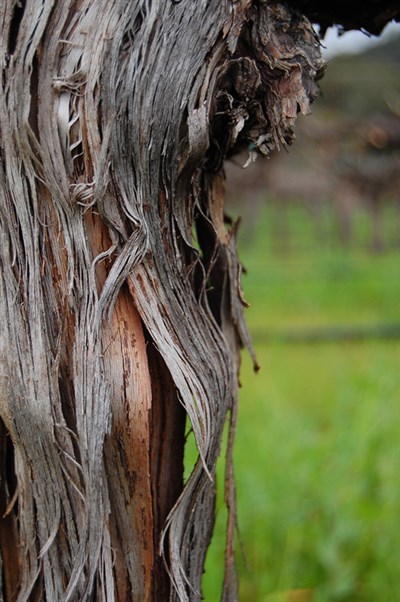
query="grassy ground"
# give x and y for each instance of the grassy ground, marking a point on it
(317, 451)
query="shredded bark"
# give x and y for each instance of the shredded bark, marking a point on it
(115, 120)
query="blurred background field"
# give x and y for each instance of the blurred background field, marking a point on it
(318, 444)
(317, 448)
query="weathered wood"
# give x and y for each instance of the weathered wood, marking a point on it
(115, 119)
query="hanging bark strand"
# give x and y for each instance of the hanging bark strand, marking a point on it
(115, 120)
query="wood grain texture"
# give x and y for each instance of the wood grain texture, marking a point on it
(120, 298)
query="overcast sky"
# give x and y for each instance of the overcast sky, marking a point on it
(355, 41)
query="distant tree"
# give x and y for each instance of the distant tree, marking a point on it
(120, 300)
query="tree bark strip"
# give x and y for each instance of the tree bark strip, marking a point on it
(120, 298)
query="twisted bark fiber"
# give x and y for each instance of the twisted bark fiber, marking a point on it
(120, 300)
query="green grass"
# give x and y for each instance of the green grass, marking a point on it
(323, 467)
(330, 287)
(304, 276)
(317, 447)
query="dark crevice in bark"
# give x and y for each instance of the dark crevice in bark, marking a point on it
(166, 452)
(34, 96)
(16, 19)
(212, 275)
(10, 549)
(68, 411)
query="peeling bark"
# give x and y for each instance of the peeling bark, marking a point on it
(120, 300)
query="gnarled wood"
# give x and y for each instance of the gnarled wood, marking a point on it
(120, 299)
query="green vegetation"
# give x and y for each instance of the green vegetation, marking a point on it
(299, 273)
(317, 447)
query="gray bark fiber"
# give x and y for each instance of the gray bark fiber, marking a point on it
(120, 281)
